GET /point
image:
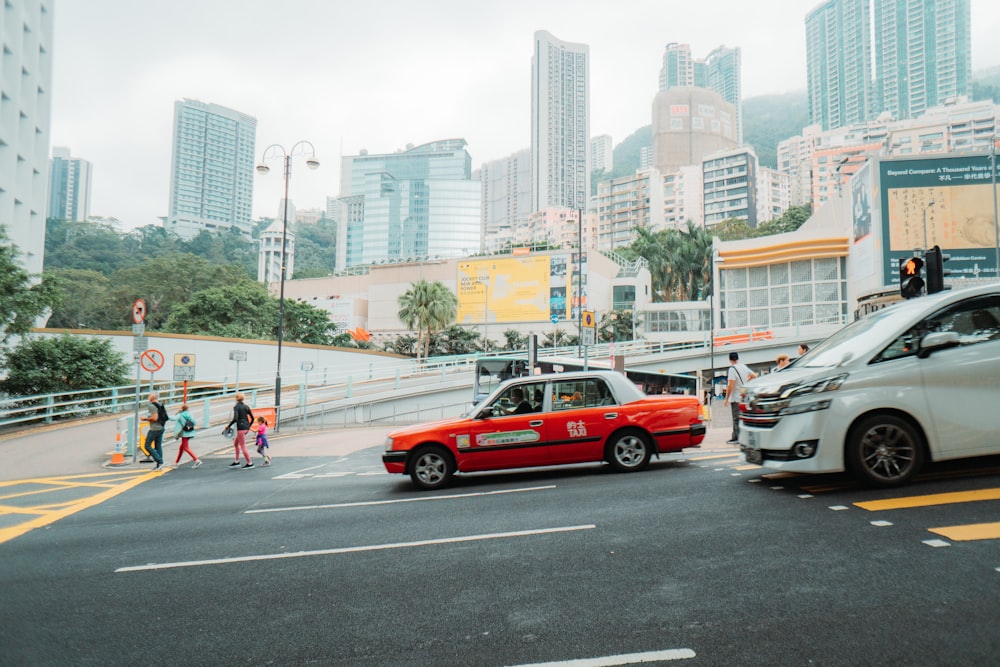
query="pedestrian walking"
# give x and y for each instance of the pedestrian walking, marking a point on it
(738, 375)
(243, 419)
(156, 416)
(262, 445)
(184, 431)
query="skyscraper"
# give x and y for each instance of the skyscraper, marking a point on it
(69, 186)
(838, 63)
(724, 71)
(678, 66)
(421, 202)
(211, 175)
(25, 101)
(560, 123)
(506, 199)
(923, 54)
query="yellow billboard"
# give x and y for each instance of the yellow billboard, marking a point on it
(503, 290)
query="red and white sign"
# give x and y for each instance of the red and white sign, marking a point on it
(151, 360)
(139, 311)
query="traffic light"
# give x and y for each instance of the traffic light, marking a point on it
(936, 271)
(911, 282)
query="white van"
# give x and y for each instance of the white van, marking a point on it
(917, 381)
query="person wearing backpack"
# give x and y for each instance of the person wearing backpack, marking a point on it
(243, 418)
(185, 431)
(157, 417)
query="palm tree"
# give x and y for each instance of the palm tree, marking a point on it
(428, 307)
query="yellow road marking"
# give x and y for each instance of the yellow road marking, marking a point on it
(63, 478)
(46, 517)
(973, 531)
(752, 466)
(930, 500)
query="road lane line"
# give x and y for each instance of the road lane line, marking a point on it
(624, 659)
(967, 533)
(350, 550)
(930, 500)
(368, 503)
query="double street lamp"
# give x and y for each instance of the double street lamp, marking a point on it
(273, 152)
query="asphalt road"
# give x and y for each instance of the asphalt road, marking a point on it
(323, 559)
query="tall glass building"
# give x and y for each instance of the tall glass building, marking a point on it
(212, 168)
(417, 203)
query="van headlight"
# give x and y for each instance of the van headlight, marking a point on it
(814, 387)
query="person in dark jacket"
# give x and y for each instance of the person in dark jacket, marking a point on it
(243, 419)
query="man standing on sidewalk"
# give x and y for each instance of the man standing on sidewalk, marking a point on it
(738, 375)
(155, 413)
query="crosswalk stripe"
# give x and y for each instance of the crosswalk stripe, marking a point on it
(930, 500)
(973, 531)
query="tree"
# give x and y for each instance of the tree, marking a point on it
(455, 340)
(83, 294)
(403, 344)
(513, 340)
(239, 310)
(21, 302)
(428, 307)
(62, 364)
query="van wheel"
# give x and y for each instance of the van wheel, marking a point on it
(884, 450)
(431, 467)
(629, 451)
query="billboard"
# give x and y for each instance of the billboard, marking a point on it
(504, 289)
(945, 201)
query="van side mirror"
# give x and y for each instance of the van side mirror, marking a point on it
(937, 340)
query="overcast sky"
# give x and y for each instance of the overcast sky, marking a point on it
(379, 75)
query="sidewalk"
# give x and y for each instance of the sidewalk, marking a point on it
(85, 447)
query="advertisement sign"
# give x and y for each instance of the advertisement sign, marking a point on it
(945, 201)
(504, 290)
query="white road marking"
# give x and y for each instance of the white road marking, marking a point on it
(881, 524)
(350, 550)
(839, 508)
(368, 503)
(624, 659)
(937, 543)
(299, 474)
(805, 495)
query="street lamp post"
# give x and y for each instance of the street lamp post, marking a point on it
(275, 151)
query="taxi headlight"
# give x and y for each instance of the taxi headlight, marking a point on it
(815, 387)
(388, 444)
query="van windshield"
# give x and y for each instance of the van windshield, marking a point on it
(857, 337)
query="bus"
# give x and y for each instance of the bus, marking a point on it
(492, 371)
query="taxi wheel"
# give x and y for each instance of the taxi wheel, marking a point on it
(884, 450)
(431, 467)
(629, 451)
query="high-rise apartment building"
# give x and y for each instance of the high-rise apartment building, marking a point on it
(212, 169)
(602, 153)
(269, 255)
(560, 123)
(506, 202)
(25, 106)
(724, 71)
(730, 181)
(69, 186)
(922, 58)
(923, 54)
(421, 202)
(721, 72)
(838, 63)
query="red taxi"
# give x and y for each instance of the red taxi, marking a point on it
(547, 420)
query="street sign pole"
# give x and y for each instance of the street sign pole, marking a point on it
(138, 431)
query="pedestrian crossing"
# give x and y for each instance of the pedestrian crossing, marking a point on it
(900, 501)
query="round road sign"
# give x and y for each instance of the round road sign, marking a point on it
(151, 360)
(139, 311)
